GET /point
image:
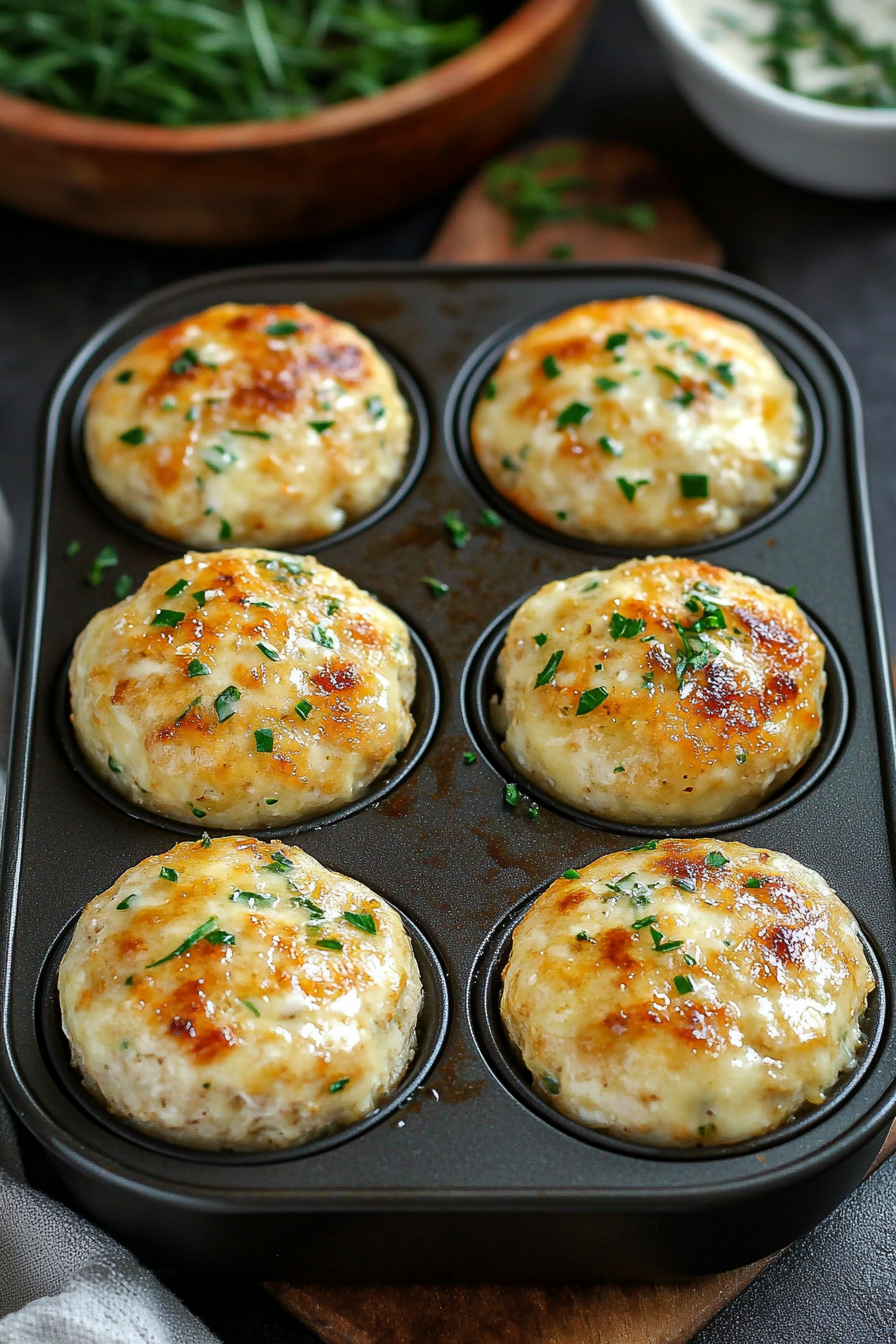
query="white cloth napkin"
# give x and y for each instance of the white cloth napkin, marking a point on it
(63, 1281)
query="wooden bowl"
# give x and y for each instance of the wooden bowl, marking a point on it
(249, 182)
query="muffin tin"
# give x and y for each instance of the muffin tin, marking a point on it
(465, 1174)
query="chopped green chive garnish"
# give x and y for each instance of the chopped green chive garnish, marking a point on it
(187, 360)
(790, 592)
(225, 703)
(72, 549)
(321, 426)
(125, 376)
(584, 937)
(169, 404)
(490, 391)
(469, 758)
(339, 1084)
(206, 930)
(688, 959)
(561, 252)
(130, 980)
(551, 1084)
(314, 910)
(225, 531)
(268, 652)
(264, 740)
(625, 627)
(637, 892)
(168, 618)
(458, 532)
(740, 755)
(123, 586)
(683, 984)
(753, 882)
(279, 863)
(659, 945)
(199, 597)
(247, 1003)
(435, 586)
(716, 860)
(684, 883)
(630, 488)
(168, 874)
(488, 518)
(667, 372)
(590, 700)
(376, 407)
(114, 766)
(107, 559)
(532, 812)
(684, 398)
(366, 923)
(322, 636)
(723, 372)
(205, 840)
(508, 463)
(303, 709)
(253, 898)
(134, 436)
(197, 669)
(590, 587)
(271, 801)
(332, 606)
(606, 384)
(617, 339)
(251, 433)
(331, 944)
(511, 795)
(562, 515)
(540, 640)
(218, 458)
(176, 588)
(550, 367)
(611, 446)
(192, 705)
(198, 812)
(571, 873)
(573, 414)
(126, 903)
(644, 923)
(648, 844)
(618, 769)
(694, 485)
(282, 329)
(547, 672)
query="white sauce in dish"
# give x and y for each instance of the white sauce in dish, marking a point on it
(863, 32)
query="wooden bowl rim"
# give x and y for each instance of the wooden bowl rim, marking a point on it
(518, 34)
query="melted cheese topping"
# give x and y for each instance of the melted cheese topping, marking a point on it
(682, 694)
(699, 993)
(270, 425)
(639, 420)
(243, 688)
(232, 1004)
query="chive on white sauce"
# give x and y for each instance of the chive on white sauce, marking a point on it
(840, 51)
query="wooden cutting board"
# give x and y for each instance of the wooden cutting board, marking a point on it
(625, 205)
(477, 229)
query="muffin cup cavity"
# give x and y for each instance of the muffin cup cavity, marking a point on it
(480, 689)
(425, 710)
(507, 1065)
(479, 368)
(432, 1030)
(418, 448)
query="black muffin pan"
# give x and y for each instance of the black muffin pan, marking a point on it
(466, 1173)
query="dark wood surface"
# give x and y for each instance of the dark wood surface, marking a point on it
(834, 259)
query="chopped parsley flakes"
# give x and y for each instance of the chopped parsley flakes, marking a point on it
(590, 700)
(547, 672)
(625, 627)
(631, 488)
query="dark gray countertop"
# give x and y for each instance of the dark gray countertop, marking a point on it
(834, 259)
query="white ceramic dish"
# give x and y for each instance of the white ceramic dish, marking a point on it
(847, 151)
